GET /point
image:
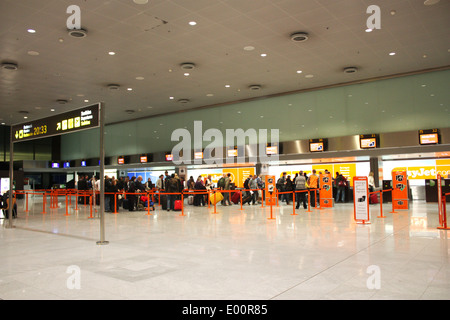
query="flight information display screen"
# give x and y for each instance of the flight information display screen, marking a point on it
(72, 121)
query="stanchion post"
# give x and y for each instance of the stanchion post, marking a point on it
(381, 205)
(182, 205)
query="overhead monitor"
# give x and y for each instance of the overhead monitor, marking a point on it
(429, 136)
(317, 145)
(169, 157)
(121, 160)
(369, 141)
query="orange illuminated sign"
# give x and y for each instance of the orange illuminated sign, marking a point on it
(431, 138)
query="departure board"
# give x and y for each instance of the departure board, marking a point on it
(72, 121)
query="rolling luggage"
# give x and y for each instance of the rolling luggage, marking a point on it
(126, 204)
(373, 198)
(163, 202)
(247, 199)
(177, 205)
(236, 197)
(191, 200)
(216, 197)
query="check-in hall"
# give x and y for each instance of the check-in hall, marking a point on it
(189, 151)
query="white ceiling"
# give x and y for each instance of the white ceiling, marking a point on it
(153, 39)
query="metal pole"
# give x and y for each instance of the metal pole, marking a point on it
(102, 175)
(11, 180)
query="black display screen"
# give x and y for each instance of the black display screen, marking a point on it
(72, 121)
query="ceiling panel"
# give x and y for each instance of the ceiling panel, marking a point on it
(152, 40)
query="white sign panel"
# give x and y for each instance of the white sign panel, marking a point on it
(361, 199)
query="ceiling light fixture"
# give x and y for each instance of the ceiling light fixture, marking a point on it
(255, 87)
(113, 86)
(430, 2)
(140, 78)
(249, 48)
(349, 70)
(227, 86)
(299, 71)
(31, 31)
(140, 1)
(77, 33)
(192, 23)
(187, 66)
(10, 66)
(392, 53)
(369, 30)
(33, 53)
(263, 55)
(299, 36)
(112, 53)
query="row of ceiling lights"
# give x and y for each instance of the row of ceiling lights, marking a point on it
(297, 37)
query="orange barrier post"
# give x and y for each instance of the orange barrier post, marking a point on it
(309, 201)
(293, 204)
(67, 207)
(26, 203)
(182, 205)
(443, 213)
(115, 203)
(241, 201)
(44, 202)
(381, 205)
(271, 211)
(76, 201)
(90, 205)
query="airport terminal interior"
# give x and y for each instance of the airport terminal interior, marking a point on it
(229, 150)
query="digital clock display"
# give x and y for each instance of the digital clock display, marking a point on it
(81, 119)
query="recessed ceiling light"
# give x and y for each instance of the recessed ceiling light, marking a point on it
(130, 89)
(263, 54)
(392, 53)
(369, 30)
(171, 98)
(192, 23)
(227, 86)
(86, 100)
(249, 48)
(33, 53)
(210, 95)
(31, 31)
(299, 71)
(309, 76)
(111, 53)
(140, 78)
(25, 117)
(52, 110)
(140, 1)
(430, 2)
(186, 74)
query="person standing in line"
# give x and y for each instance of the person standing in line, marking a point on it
(341, 183)
(313, 184)
(300, 185)
(226, 195)
(253, 184)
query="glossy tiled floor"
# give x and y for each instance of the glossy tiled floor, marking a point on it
(230, 255)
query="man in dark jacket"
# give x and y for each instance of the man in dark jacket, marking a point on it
(171, 187)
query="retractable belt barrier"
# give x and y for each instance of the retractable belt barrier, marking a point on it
(89, 198)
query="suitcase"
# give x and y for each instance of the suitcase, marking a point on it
(236, 197)
(216, 197)
(373, 198)
(191, 200)
(163, 202)
(177, 205)
(126, 203)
